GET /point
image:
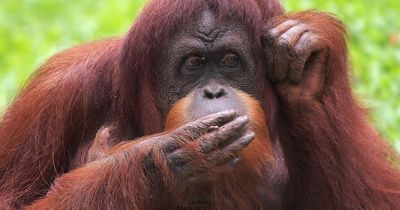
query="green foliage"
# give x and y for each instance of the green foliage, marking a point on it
(33, 30)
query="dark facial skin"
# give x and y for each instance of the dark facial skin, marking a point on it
(207, 58)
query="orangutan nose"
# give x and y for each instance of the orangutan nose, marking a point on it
(214, 91)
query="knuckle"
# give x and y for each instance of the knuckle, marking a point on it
(273, 32)
(310, 39)
(299, 51)
(176, 159)
(283, 23)
(219, 119)
(284, 39)
(206, 147)
(283, 42)
(301, 29)
(196, 129)
(291, 22)
(220, 133)
(171, 146)
(178, 138)
(202, 125)
(266, 40)
(269, 40)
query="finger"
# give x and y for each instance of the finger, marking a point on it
(276, 54)
(277, 30)
(189, 163)
(194, 130)
(292, 35)
(240, 144)
(306, 45)
(279, 50)
(272, 34)
(287, 42)
(219, 118)
(102, 136)
(223, 135)
(231, 151)
(269, 54)
(281, 61)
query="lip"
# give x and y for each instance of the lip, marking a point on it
(200, 107)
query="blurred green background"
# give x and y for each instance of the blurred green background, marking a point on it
(33, 30)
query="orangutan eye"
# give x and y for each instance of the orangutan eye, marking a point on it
(229, 60)
(193, 63)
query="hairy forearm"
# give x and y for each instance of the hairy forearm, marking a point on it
(313, 154)
(330, 144)
(309, 130)
(114, 182)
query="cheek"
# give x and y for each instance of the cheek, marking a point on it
(248, 80)
(177, 114)
(249, 85)
(168, 94)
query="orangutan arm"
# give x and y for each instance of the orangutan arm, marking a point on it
(334, 158)
(141, 174)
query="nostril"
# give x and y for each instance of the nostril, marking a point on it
(216, 93)
(221, 92)
(208, 94)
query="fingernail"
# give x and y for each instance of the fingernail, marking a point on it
(229, 112)
(214, 127)
(247, 139)
(234, 161)
(249, 133)
(243, 119)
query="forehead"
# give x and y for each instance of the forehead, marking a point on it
(207, 28)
